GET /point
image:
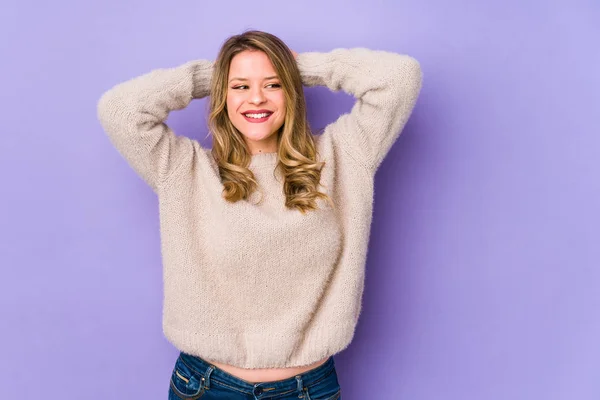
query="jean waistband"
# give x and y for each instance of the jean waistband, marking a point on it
(298, 382)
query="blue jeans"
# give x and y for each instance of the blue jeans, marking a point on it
(194, 378)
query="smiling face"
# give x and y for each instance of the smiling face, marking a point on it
(255, 100)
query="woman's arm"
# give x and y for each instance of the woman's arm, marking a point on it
(386, 86)
(133, 113)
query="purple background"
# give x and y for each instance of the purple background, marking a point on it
(482, 276)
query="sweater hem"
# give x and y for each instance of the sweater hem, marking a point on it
(263, 350)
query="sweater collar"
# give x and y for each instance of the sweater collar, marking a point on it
(261, 159)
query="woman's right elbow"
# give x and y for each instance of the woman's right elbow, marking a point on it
(110, 108)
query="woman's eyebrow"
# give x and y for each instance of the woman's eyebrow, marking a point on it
(245, 79)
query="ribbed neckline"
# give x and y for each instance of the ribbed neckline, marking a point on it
(261, 159)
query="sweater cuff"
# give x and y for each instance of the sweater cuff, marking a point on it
(201, 77)
(313, 67)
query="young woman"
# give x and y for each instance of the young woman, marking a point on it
(264, 237)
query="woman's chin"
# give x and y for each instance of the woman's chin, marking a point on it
(257, 136)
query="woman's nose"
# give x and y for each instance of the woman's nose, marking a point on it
(257, 96)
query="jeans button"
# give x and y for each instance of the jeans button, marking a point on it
(258, 391)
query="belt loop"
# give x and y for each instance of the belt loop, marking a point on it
(206, 377)
(299, 382)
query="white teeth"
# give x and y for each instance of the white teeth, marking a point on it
(263, 115)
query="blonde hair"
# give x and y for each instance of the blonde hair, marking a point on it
(297, 154)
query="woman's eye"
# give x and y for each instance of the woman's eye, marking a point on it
(270, 85)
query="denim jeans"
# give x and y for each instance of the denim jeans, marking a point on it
(194, 378)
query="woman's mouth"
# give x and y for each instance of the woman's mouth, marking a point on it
(257, 117)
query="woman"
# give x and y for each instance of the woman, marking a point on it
(264, 236)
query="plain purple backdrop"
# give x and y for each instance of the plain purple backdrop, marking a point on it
(483, 277)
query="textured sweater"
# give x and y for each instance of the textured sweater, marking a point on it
(254, 284)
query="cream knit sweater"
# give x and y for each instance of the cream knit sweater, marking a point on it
(252, 284)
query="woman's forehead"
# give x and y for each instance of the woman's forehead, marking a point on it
(251, 65)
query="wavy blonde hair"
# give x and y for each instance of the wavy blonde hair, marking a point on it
(297, 154)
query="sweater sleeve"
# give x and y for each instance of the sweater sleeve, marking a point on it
(386, 86)
(132, 114)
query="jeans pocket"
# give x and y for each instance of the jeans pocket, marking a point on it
(186, 383)
(336, 396)
(327, 388)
